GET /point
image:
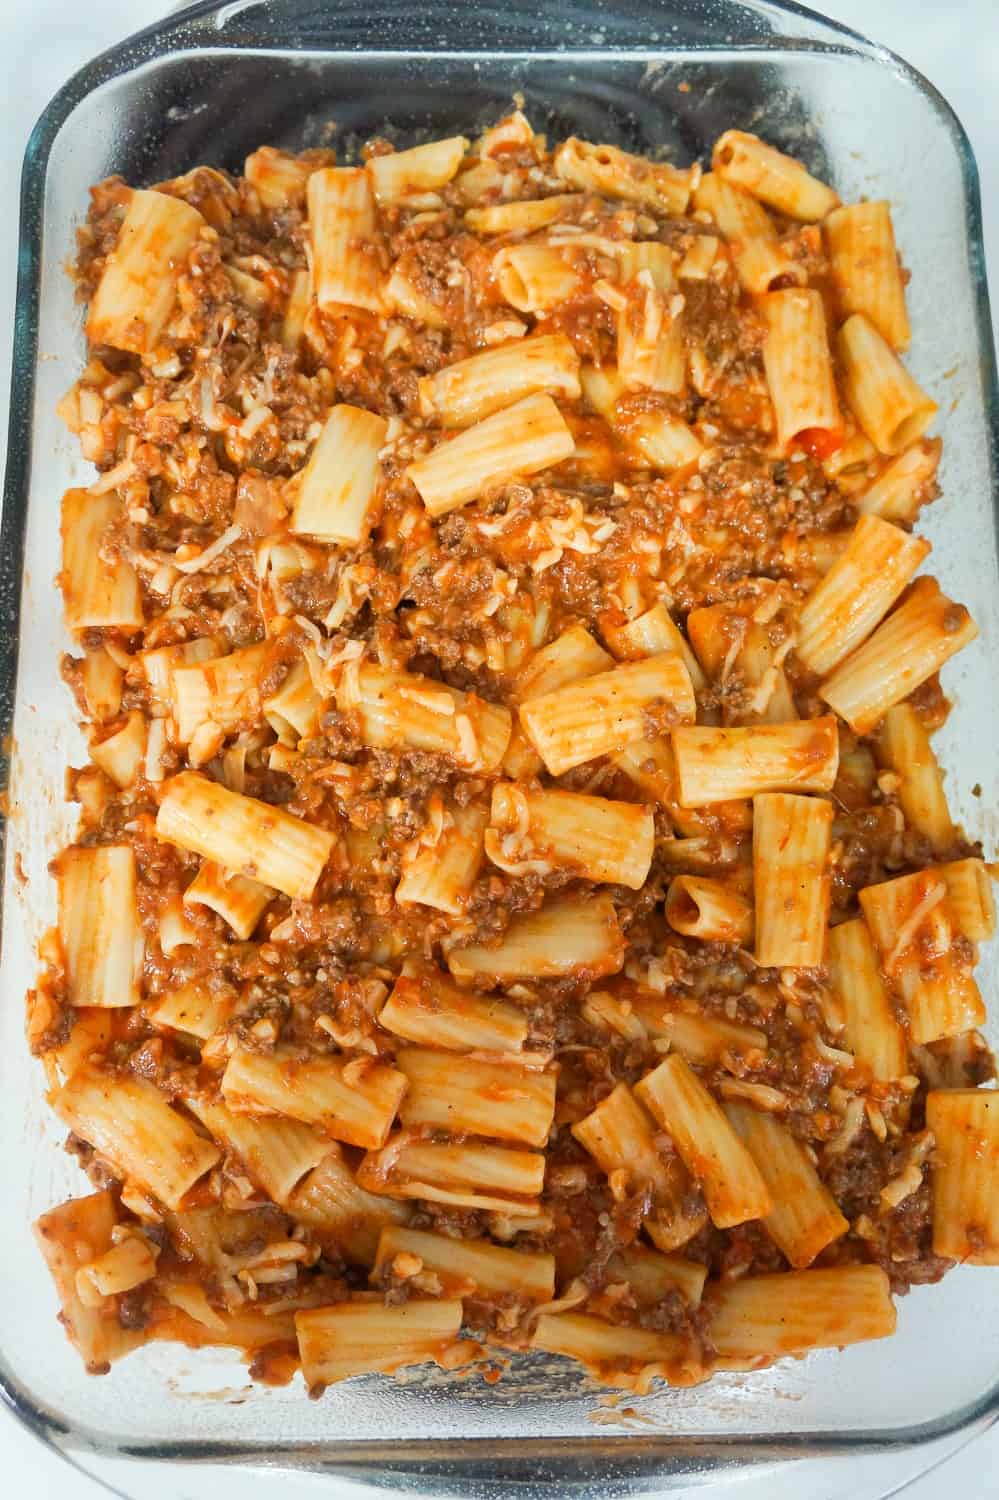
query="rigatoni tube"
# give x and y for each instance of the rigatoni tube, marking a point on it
(925, 631)
(442, 873)
(465, 1267)
(359, 1338)
(965, 1126)
(352, 1100)
(619, 1354)
(523, 216)
(331, 1201)
(757, 253)
(130, 1122)
(421, 169)
(708, 909)
(572, 656)
(914, 928)
(872, 1031)
(99, 925)
(620, 1136)
(275, 1153)
(403, 709)
(857, 592)
(791, 837)
(278, 177)
(799, 367)
(805, 1217)
(905, 484)
(709, 1148)
(903, 746)
(778, 180)
(346, 265)
(222, 690)
(522, 439)
(243, 834)
(137, 291)
(69, 1236)
(617, 174)
(474, 388)
(700, 1037)
(465, 1174)
(970, 897)
(889, 405)
(717, 765)
(652, 1276)
(582, 720)
(96, 594)
(237, 899)
(334, 493)
(534, 278)
(426, 1006)
(791, 1312)
(568, 935)
(596, 838)
(649, 634)
(864, 267)
(498, 1099)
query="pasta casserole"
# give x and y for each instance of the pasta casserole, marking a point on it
(515, 904)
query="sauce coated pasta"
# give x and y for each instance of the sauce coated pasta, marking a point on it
(515, 904)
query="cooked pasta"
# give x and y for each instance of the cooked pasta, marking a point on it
(515, 903)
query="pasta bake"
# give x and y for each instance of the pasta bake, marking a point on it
(515, 904)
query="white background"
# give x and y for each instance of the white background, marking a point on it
(41, 43)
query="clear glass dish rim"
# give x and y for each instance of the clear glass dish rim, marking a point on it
(216, 25)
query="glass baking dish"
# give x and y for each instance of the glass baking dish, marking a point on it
(208, 85)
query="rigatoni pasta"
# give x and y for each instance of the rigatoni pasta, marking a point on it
(864, 266)
(426, 1006)
(889, 405)
(924, 954)
(804, 1218)
(872, 1030)
(498, 1099)
(243, 835)
(346, 266)
(474, 388)
(338, 483)
(97, 594)
(356, 1338)
(603, 840)
(569, 935)
(99, 927)
(914, 641)
(514, 891)
(904, 747)
(129, 1122)
(461, 1174)
(578, 722)
(353, 1101)
(859, 589)
(791, 838)
(965, 1126)
(716, 765)
(138, 289)
(521, 439)
(780, 181)
(799, 368)
(759, 257)
(815, 1309)
(733, 1188)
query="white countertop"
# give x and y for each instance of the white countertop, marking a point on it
(43, 42)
